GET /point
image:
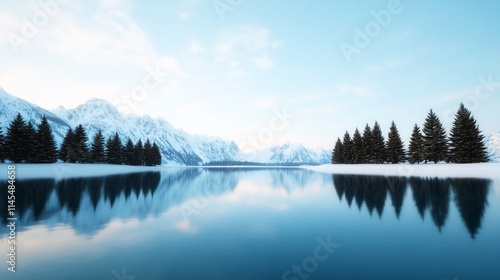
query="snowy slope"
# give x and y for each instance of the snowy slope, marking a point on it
(290, 154)
(10, 106)
(177, 147)
(494, 147)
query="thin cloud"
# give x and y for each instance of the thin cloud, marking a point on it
(246, 45)
(195, 47)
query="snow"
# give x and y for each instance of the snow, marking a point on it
(289, 153)
(494, 147)
(70, 170)
(478, 170)
(184, 184)
(177, 146)
(10, 106)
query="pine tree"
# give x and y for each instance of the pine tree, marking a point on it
(416, 147)
(367, 145)
(47, 149)
(138, 153)
(357, 148)
(97, 151)
(338, 152)
(378, 144)
(31, 146)
(109, 150)
(156, 154)
(66, 147)
(129, 153)
(114, 150)
(80, 145)
(2, 146)
(466, 140)
(435, 143)
(395, 150)
(347, 148)
(148, 155)
(14, 149)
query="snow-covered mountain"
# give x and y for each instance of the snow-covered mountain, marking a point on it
(177, 146)
(290, 154)
(494, 147)
(10, 106)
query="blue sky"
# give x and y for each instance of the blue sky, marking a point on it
(225, 68)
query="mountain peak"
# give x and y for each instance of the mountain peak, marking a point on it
(99, 103)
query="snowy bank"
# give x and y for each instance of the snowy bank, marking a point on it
(71, 170)
(478, 170)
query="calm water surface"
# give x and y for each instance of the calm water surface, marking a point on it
(255, 224)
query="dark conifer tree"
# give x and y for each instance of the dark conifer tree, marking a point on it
(80, 145)
(31, 146)
(416, 147)
(395, 150)
(435, 143)
(47, 149)
(466, 140)
(109, 150)
(114, 150)
(367, 145)
(156, 154)
(66, 151)
(347, 148)
(129, 153)
(357, 148)
(120, 148)
(16, 132)
(2, 147)
(378, 145)
(97, 149)
(148, 155)
(138, 153)
(338, 152)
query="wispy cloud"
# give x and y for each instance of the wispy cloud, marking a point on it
(246, 46)
(195, 47)
(382, 68)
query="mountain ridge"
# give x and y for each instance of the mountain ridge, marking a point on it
(178, 148)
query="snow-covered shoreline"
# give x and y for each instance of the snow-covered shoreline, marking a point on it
(71, 170)
(67, 170)
(478, 170)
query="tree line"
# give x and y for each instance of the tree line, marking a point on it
(24, 143)
(431, 144)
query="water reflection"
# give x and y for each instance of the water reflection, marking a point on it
(429, 194)
(89, 204)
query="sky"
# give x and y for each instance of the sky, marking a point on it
(271, 71)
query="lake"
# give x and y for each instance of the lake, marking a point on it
(242, 223)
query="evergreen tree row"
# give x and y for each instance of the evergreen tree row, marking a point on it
(75, 149)
(24, 143)
(370, 147)
(465, 144)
